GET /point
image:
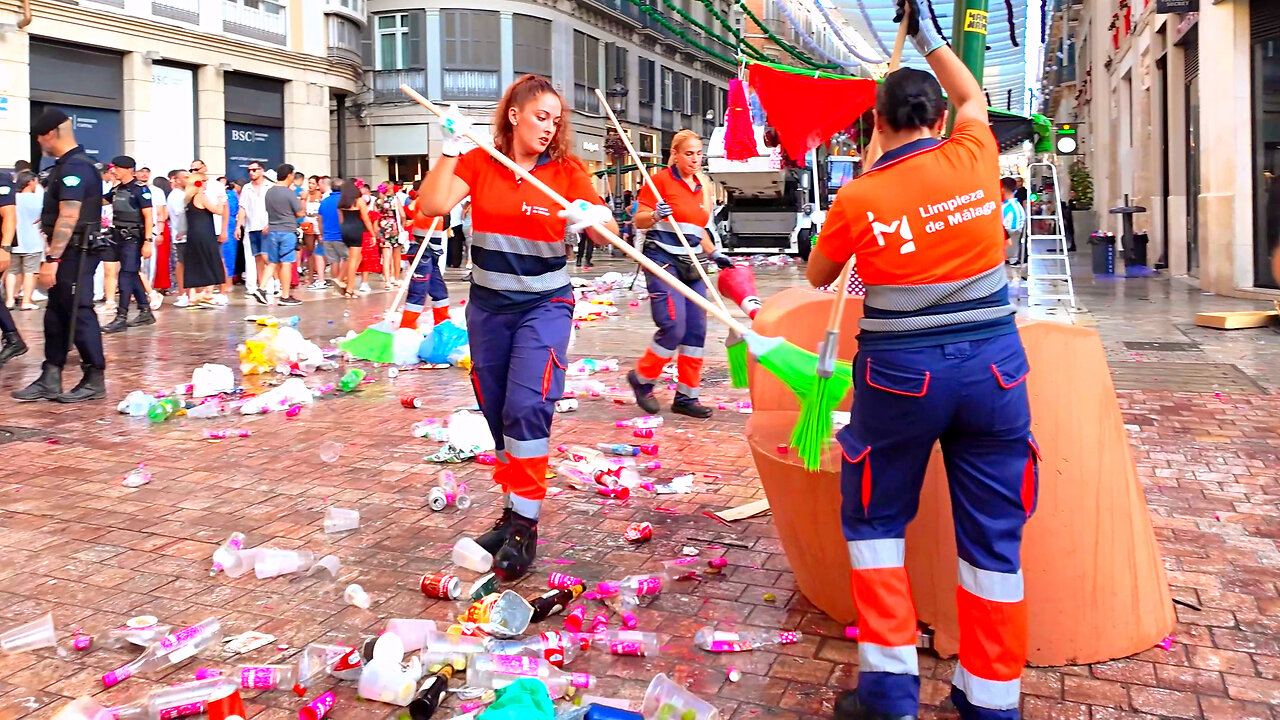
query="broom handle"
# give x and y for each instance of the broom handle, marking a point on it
(872, 152)
(648, 181)
(837, 309)
(417, 258)
(604, 232)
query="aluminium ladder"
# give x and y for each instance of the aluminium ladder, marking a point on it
(1048, 268)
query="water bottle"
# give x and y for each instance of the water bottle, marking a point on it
(268, 677)
(169, 650)
(555, 647)
(224, 434)
(632, 586)
(712, 640)
(618, 449)
(351, 380)
(499, 671)
(176, 701)
(644, 421)
(624, 642)
(271, 562)
(137, 477)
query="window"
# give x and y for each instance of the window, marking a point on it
(686, 94)
(472, 54)
(668, 89)
(532, 45)
(393, 42)
(646, 81)
(586, 72)
(615, 64)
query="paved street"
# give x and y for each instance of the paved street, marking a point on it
(1203, 420)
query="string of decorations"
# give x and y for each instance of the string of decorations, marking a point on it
(835, 29)
(809, 41)
(792, 51)
(654, 13)
(694, 22)
(743, 45)
(1013, 35)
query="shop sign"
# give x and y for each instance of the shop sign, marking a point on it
(252, 143)
(1177, 6)
(588, 146)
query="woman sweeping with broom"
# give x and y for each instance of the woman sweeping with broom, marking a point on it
(939, 358)
(682, 327)
(521, 302)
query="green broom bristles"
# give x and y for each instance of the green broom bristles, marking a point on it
(812, 433)
(373, 344)
(736, 346)
(791, 364)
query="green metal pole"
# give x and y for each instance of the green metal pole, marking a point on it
(969, 39)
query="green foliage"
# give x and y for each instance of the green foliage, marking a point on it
(1082, 184)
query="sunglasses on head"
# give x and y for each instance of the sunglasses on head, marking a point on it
(195, 169)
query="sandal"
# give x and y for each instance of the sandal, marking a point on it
(30, 306)
(350, 296)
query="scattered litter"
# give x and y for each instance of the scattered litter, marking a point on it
(690, 551)
(330, 451)
(338, 520)
(742, 512)
(1167, 643)
(355, 595)
(467, 553)
(638, 532)
(137, 477)
(246, 642)
(328, 562)
(734, 674)
(211, 379)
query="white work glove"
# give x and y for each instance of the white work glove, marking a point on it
(661, 211)
(582, 215)
(454, 126)
(919, 26)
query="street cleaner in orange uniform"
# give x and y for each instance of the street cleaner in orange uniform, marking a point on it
(521, 303)
(939, 358)
(428, 276)
(682, 326)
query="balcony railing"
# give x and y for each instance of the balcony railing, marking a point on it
(344, 39)
(267, 21)
(184, 10)
(354, 9)
(471, 84)
(386, 83)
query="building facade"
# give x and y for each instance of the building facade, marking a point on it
(457, 53)
(228, 81)
(1178, 106)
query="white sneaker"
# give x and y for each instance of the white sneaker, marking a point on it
(182, 301)
(364, 289)
(156, 299)
(220, 299)
(318, 285)
(37, 296)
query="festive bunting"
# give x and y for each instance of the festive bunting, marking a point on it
(806, 111)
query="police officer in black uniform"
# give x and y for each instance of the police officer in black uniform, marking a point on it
(130, 203)
(71, 217)
(12, 345)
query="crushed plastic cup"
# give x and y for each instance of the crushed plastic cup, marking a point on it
(137, 477)
(665, 699)
(355, 595)
(271, 562)
(330, 452)
(338, 520)
(38, 633)
(328, 562)
(467, 553)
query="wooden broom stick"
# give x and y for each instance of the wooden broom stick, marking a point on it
(417, 258)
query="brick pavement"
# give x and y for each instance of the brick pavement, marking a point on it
(76, 542)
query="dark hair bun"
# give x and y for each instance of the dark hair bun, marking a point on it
(909, 99)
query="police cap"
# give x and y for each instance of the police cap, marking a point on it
(124, 161)
(48, 121)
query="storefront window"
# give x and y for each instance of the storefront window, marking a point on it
(1266, 159)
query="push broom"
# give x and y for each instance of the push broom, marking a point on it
(790, 364)
(374, 343)
(737, 347)
(832, 378)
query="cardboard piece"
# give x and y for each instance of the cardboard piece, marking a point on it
(1095, 583)
(742, 512)
(1236, 320)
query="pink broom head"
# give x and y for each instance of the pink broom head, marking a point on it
(739, 135)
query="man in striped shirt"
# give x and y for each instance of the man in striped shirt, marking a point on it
(1013, 215)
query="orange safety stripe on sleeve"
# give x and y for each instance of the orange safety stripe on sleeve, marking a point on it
(993, 636)
(886, 612)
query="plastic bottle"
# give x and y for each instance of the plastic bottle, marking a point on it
(268, 677)
(648, 448)
(555, 647)
(450, 648)
(552, 602)
(688, 568)
(137, 477)
(427, 699)
(140, 635)
(176, 701)
(271, 562)
(224, 434)
(411, 631)
(448, 492)
(712, 640)
(227, 553)
(632, 586)
(573, 621)
(624, 642)
(499, 671)
(384, 678)
(644, 421)
(351, 380)
(618, 449)
(318, 658)
(136, 404)
(169, 650)
(355, 595)
(318, 708)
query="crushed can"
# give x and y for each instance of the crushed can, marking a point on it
(638, 532)
(486, 585)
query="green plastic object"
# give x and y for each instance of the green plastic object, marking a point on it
(1044, 133)
(351, 380)
(524, 699)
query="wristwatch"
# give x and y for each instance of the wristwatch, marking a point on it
(51, 259)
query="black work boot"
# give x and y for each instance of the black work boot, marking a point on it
(46, 387)
(685, 405)
(849, 707)
(144, 317)
(13, 347)
(515, 557)
(644, 393)
(493, 540)
(120, 323)
(93, 386)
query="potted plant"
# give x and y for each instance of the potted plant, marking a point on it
(1082, 204)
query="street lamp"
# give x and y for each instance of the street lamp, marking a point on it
(617, 95)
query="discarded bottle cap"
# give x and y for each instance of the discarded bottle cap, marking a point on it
(783, 449)
(643, 432)
(851, 632)
(734, 674)
(82, 642)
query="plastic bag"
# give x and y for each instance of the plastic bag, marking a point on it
(444, 339)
